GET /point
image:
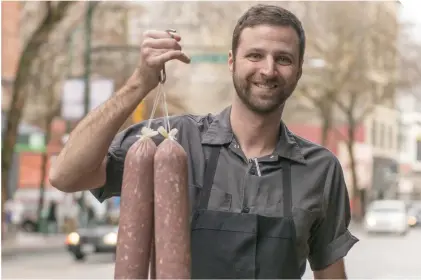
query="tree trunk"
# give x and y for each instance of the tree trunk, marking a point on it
(326, 115)
(3, 213)
(358, 201)
(52, 17)
(325, 132)
(44, 170)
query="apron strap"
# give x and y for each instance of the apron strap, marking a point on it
(286, 186)
(210, 170)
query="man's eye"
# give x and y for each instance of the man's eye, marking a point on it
(254, 56)
(284, 60)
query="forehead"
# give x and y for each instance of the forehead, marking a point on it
(267, 36)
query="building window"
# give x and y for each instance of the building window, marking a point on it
(419, 150)
(390, 138)
(374, 133)
(382, 136)
(23, 139)
(403, 137)
(402, 144)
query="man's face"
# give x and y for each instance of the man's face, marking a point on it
(266, 67)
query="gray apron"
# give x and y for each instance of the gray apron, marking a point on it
(241, 245)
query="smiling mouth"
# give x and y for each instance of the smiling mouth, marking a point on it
(265, 86)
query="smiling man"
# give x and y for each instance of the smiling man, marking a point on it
(263, 200)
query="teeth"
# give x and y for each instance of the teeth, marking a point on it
(266, 86)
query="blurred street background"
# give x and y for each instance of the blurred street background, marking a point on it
(359, 96)
(376, 257)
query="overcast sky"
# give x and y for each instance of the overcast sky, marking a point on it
(411, 10)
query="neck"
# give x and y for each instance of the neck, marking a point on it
(257, 134)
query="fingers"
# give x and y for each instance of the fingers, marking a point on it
(166, 43)
(155, 34)
(158, 47)
(167, 55)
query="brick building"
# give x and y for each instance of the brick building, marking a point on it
(26, 167)
(10, 47)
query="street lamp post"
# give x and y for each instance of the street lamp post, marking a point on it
(87, 87)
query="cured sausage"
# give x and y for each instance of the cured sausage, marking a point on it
(172, 228)
(172, 223)
(136, 212)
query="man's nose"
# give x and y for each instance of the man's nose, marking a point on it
(268, 68)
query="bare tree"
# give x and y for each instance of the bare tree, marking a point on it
(327, 65)
(352, 66)
(53, 14)
(47, 74)
(374, 80)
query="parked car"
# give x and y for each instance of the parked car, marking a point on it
(387, 216)
(30, 218)
(98, 237)
(414, 215)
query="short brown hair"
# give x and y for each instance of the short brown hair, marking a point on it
(268, 15)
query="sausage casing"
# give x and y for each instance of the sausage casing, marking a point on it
(136, 212)
(172, 223)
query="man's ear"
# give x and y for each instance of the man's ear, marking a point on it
(231, 61)
(300, 72)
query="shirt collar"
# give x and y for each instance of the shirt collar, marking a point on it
(220, 133)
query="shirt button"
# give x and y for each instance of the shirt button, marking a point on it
(246, 210)
(252, 171)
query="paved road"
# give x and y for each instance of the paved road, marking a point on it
(377, 257)
(58, 265)
(384, 257)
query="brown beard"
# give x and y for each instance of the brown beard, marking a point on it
(243, 90)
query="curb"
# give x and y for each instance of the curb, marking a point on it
(7, 253)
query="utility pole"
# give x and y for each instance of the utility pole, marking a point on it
(87, 87)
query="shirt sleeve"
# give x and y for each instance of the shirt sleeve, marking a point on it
(117, 155)
(330, 238)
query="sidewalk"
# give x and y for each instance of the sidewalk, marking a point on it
(30, 243)
(356, 225)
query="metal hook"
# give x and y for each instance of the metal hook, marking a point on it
(163, 75)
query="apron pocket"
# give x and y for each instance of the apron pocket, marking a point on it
(276, 251)
(219, 200)
(276, 227)
(223, 245)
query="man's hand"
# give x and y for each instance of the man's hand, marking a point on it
(333, 271)
(156, 49)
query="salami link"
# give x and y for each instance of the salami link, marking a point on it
(172, 224)
(136, 212)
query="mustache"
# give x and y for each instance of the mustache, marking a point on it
(262, 80)
(258, 79)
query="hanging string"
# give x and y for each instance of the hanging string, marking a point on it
(155, 104)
